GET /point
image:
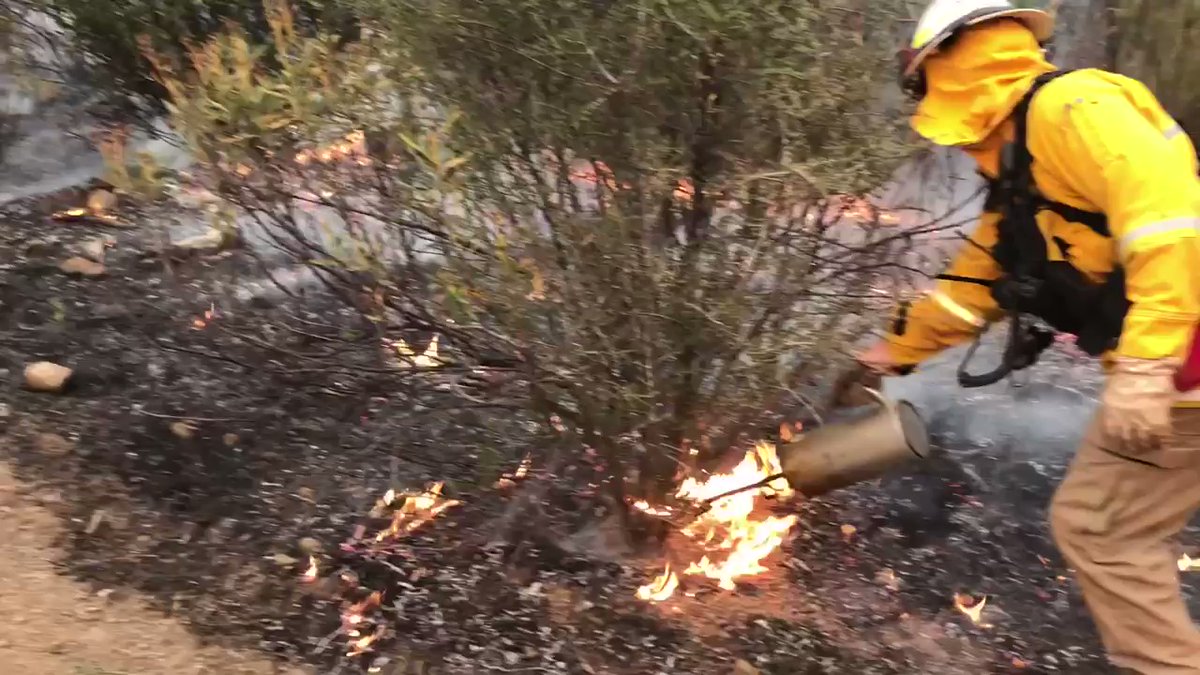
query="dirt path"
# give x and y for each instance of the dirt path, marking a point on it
(56, 626)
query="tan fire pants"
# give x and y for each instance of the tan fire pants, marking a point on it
(1114, 518)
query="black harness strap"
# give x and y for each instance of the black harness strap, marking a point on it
(966, 280)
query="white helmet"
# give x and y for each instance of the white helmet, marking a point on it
(944, 18)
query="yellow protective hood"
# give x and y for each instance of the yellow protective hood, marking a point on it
(974, 85)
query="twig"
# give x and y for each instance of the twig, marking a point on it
(190, 418)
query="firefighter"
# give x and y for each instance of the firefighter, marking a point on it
(1091, 224)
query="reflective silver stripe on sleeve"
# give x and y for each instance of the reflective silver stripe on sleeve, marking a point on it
(950, 305)
(1172, 132)
(1160, 227)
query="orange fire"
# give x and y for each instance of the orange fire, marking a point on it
(353, 145)
(863, 210)
(735, 539)
(310, 574)
(414, 511)
(199, 323)
(508, 480)
(1188, 563)
(363, 644)
(661, 588)
(972, 608)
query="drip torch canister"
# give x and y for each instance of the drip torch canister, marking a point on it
(842, 454)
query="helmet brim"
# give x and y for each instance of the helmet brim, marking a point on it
(1040, 23)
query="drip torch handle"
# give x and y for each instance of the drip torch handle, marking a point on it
(754, 486)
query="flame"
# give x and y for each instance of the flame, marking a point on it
(974, 610)
(734, 539)
(352, 145)
(661, 588)
(363, 644)
(1188, 563)
(416, 510)
(310, 574)
(863, 210)
(508, 480)
(409, 358)
(202, 322)
(645, 507)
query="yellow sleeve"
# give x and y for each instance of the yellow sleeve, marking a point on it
(1144, 179)
(954, 311)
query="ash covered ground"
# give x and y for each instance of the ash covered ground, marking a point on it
(214, 520)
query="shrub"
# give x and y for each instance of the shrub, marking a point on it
(634, 221)
(106, 35)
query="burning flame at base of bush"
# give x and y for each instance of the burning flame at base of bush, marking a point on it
(414, 511)
(735, 538)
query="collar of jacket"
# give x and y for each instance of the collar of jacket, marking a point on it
(974, 85)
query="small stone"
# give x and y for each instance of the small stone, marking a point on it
(81, 267)
(43, 247)
(230, 440)
(309, 545)
(46, 376)
(53, 445)
(5, 411)
(94, 249)
(210, 242)
(101, 201)
(97, 519)
(307, 494)
(104, 593)
(744, 667)
(284, 560)
(183, 430)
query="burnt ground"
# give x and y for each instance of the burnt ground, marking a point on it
(206, 523)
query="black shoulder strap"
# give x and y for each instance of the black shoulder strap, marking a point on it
(1097, 222)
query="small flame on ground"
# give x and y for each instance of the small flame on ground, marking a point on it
(974, 610)
(1188, 563)
(415, 511)
(645, 507)
(661, 588)
(310, 574)
(356, 613)
(363, 644)
(353, 144)
(735, 540)
(200, 323)
(508, 480)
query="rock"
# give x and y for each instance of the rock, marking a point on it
(47, 377)
(44, 246)
(102, 201)
(81, 267)
(5, 411)
(309, 545)
(744, 667)
(94, 249)
(284, 560)
(183, 430)
(53, 445)
(98, 518)
(210, 242)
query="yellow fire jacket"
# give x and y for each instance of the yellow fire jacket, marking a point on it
(1101, 143)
